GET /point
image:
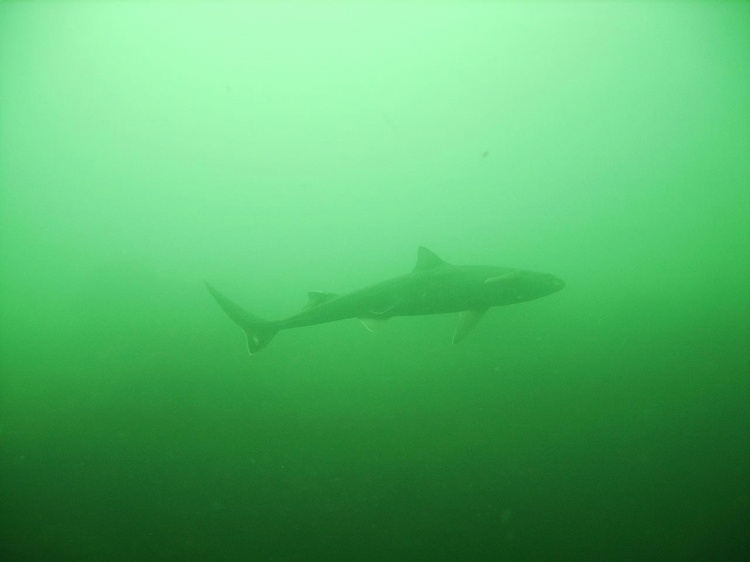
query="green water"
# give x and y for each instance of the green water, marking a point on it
(279, 149)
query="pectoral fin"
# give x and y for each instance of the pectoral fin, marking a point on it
(466, 322)
(372, 324)
(510, 276)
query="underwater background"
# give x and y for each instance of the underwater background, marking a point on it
(274, 149)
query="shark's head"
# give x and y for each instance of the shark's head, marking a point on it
(519, 286)
(544, 284)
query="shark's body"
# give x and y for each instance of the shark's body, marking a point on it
(432, 287)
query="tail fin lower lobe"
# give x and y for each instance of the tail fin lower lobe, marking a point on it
(259, 332)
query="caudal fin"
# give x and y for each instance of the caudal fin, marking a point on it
(259, 332)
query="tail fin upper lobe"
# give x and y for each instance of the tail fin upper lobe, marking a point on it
(259, 332)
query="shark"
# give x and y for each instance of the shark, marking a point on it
(434, 286)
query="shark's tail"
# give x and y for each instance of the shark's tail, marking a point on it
(259, 332)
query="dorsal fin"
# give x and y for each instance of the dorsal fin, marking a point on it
(427, 260)
(314, 298)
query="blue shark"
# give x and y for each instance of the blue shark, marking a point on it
(433, 287)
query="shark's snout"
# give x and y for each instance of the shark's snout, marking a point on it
(556, 283)
(548, 284)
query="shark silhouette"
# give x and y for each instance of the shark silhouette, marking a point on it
(433, 287)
